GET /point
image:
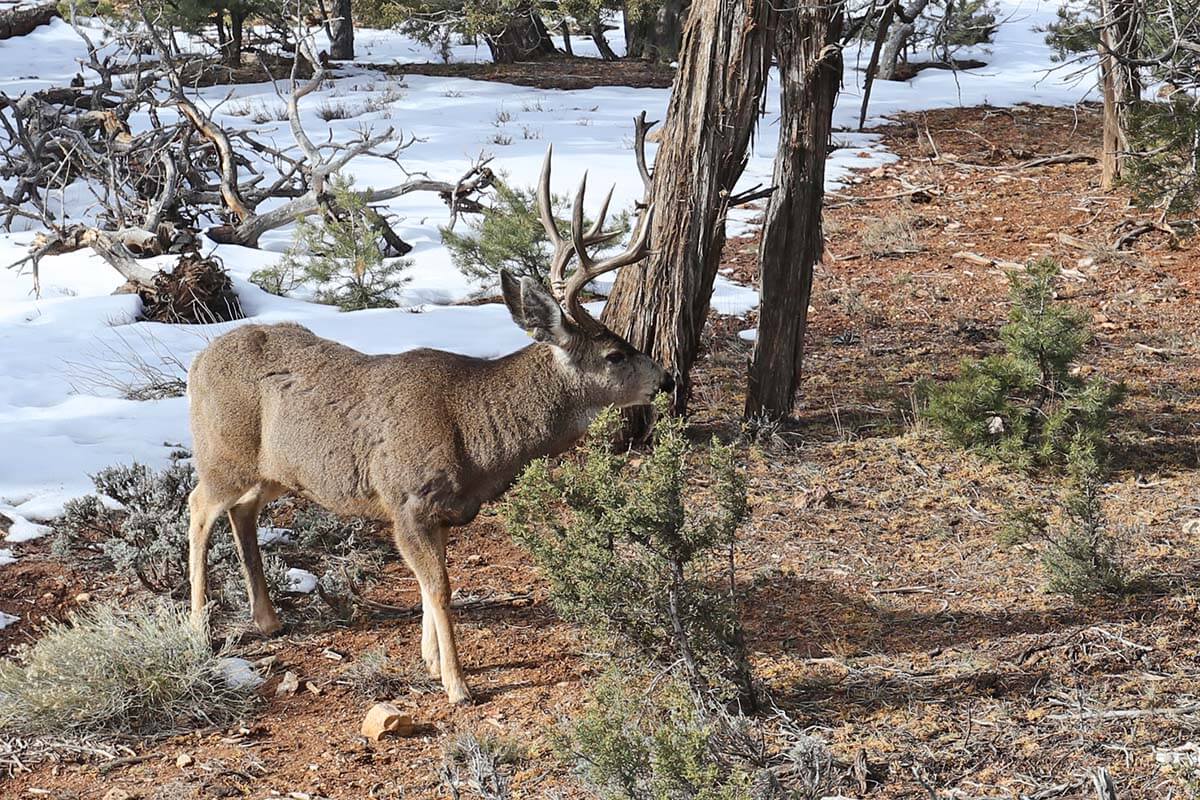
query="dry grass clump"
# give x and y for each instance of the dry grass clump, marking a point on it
(141, 671)
(373, 675)
(480, 767)
(891, 234)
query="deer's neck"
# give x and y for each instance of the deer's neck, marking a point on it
(523, 406)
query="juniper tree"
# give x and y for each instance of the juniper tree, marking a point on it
(631, 553)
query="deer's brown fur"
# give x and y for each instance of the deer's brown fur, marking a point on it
(421, 439)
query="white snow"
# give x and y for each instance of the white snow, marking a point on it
(301, 581)
(7, 619)
(7, 557)
(238, 673)
(57, 427)
(271, 535)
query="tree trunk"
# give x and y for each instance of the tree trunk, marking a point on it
(233, 54)
(656, 36)
(597, 29)
(660, 305)
(897, 39)
(810, 71)
(341, 27)
(1119, 82)
(524, 38)
(565, 28)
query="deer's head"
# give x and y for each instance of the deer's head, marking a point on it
(610, 370)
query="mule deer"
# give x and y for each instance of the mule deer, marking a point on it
(421, 439)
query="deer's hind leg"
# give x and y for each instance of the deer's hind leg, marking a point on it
(204, 507)
(243, 518)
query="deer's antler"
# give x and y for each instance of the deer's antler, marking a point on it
(567, 289)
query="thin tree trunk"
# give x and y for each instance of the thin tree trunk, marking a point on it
(1119, 83)
(597, 30)
(524, 38)
(661, 304)
(810, 71)
(341, 40)
(656, 36)
(565, 27)
(898, 38)
(637, 30)
(237, 19)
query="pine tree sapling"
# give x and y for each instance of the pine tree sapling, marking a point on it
(510, 236)
(340, 257)
(633, 554)
(1027, 405)
(1085, 559)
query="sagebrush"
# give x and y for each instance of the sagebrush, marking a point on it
(143, 671)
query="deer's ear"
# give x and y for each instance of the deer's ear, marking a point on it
(534, 309)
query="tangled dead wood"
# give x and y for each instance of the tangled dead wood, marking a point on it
(155, 188)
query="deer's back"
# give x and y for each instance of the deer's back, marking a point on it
(278, 403)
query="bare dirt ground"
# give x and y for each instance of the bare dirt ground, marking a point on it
(882, 611)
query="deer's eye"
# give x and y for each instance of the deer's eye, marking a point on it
(615, 357)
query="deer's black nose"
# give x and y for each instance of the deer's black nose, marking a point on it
(668, 384)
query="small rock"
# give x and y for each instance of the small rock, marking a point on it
(995, 426)
(117, 794)
(183, 761)
(383, 719)
(83, 597)
(1192, 527)
(289, 684)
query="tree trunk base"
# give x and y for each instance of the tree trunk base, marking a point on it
(196, 292)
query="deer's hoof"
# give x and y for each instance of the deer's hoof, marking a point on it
(460, 696)
(268, 626)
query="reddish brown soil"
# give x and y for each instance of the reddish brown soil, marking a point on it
(882, 611)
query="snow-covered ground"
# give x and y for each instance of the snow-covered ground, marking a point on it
(58, 424)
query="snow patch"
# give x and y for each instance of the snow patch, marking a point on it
(7, 557)
(21, 529)
(300, 581)
(269, 535)
(7, 619)
(238, 673)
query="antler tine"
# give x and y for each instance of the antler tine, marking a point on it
(596, 232)
(562, 249)
(640, 128)
(589, 269)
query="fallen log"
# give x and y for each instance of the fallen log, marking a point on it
(18, 19)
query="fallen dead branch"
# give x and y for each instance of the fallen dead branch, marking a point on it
(1141, 229)
(465, 604)
(985, 261)
(1061, 158)
(1129, 713)
(847, 199)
